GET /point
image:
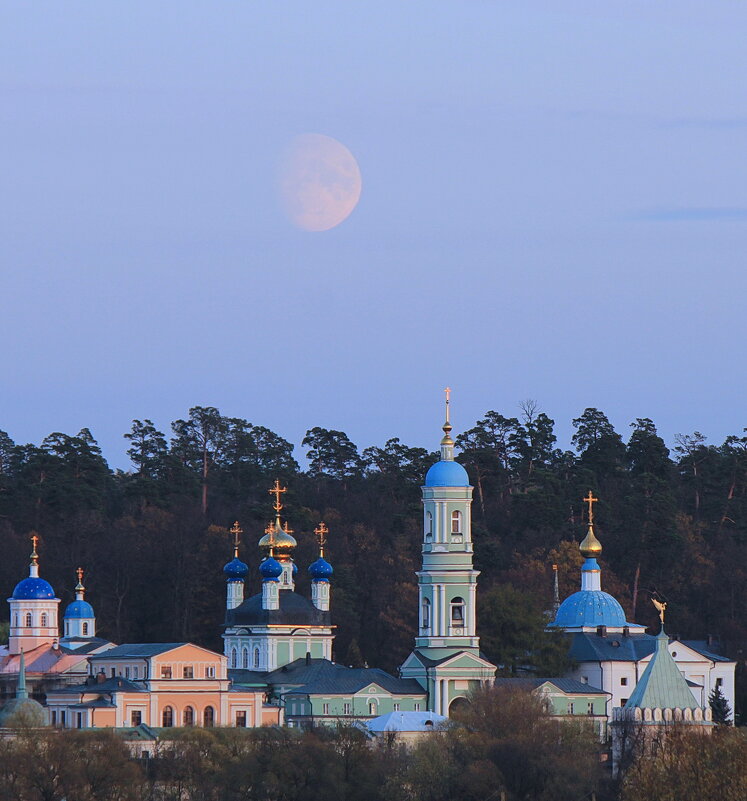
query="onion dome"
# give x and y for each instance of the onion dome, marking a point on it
(277, 538)
(22, 711)
(590, 546)
(447, 474)
(270, 569)
(79, 609)
(236, 570)
(33, 589)
(321, 570)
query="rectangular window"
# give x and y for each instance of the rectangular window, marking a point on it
(325, 709)
(63, 718)
(624, 681)
(623, 701)
(417, 707)
(165, 671)
(395, 707)
(136, 717)
(54, 717)
(114, 672)
(241, 720)
(719, 682)
(584, 679)
(210, 671)
(570, 708)
(346, 709)
(188, 672)
(590, 708)
(79, 720)
(135, 671)
(127, 672)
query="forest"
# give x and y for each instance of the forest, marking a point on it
(504, 746)
(153, 539)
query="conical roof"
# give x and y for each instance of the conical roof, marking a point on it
(662, 686)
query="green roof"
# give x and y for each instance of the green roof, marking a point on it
(662, 686)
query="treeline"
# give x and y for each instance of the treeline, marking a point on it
(503, 746)
(153, 539)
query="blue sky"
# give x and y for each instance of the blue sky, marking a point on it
(554, 207)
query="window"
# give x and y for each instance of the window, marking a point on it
(54, 717)
(245, 658)
(15, 620)
(285, 577)
(584, 679)
(234, 658)
(167, 717)
(457, 612)
(127, 672)
(44, 620)
(136, 718)
(417, 707)
(456, 522)
(113, 672)
(63, 718)
(165, 671)
(188, 672)
(346, 709)
(325, 709)
(395, 707)
(570, 708)
(372, 707)
(623, 701)
(135, 672)
(719, 682)
(85, 629)
(189, 716)
(624, 681)
(210, 671)
(256, 658)
(426, 613)
(79, 720)
(241, 720)
(428, 524)
(590, 708)
(209, 717)
(29, 620)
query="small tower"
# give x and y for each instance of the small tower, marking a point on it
(79, 620)
(22, 710)
(320, 572)
(235, 571)
(446, 660)
(33, 609)
(271, 570)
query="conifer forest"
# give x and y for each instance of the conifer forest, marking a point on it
(672, 519)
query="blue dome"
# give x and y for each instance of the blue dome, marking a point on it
(320, 570)
(589, 608)
(270, 569)
(235, 569)
(33, 589)
(295, 568)
(79, 609)
(447, 474)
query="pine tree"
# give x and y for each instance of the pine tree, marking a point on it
(719, 707)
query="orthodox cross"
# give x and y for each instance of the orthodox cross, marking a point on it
(448, 397)
(237, 532)
(286, 528)
(591, 500)
(34, 554)
(79, 571)
(277, 491)
(321, 532)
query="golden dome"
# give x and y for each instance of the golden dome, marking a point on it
(275, 537)
(590, 546)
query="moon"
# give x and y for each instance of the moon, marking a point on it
(319, 182)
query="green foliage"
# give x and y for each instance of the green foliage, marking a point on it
(719, 707)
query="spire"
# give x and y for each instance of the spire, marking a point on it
(34, 564)
(555, 592)
(447, 443)
(590, 546)
(21, 691)
(79, 588)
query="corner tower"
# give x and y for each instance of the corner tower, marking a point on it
(79, 620)
(446, 660)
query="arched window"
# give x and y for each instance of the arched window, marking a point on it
(44, 620)
(209, 717)
(29, 621)
(189, 716)
(426, 614)
(457, 612)
(234, 658)
(428, 524)
(85, 629)
(456, 522)
(256, 658)
(168, 717)
(15, 620)
(285, 577)
(245, 658)
(372, 707)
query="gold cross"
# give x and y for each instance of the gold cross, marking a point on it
(448, 396)
(321, 532)
(286, 529)
(79, 571)
(591, 500)
(34, 554)
(277, 491)
(237, 532)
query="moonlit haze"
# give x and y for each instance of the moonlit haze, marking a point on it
(554, 207)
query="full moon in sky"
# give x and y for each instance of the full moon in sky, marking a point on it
(319, 182)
